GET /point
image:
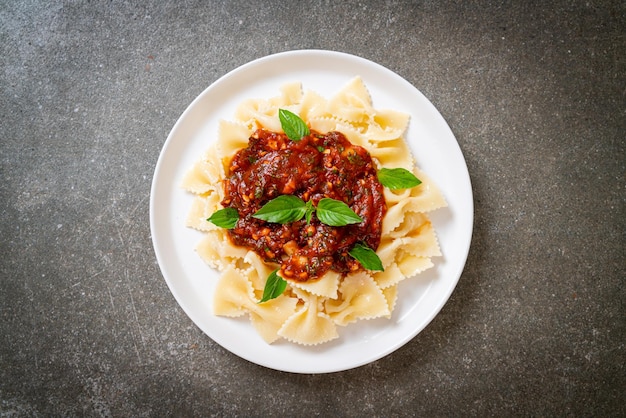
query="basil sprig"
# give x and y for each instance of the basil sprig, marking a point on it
(288, 208)
(274, 287)
(225, 218)
(397, 178)
(293, 126)
(367, 257)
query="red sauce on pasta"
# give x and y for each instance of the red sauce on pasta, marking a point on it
(315, 167)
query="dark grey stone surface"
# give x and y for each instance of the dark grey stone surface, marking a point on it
(535, 93)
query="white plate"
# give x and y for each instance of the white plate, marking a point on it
(192, 282)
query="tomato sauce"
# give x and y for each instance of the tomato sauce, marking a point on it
(317, 166)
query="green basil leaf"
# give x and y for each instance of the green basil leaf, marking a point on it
(274, 287)
(283, 210)
(225, 218)
(397, 178)
(367, 257)
(293, 126)
(336, 213)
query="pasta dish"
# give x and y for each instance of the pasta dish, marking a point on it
(316, 231)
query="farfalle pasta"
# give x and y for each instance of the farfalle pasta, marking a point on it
(310, 312)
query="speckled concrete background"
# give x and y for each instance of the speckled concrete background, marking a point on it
(535, 95)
